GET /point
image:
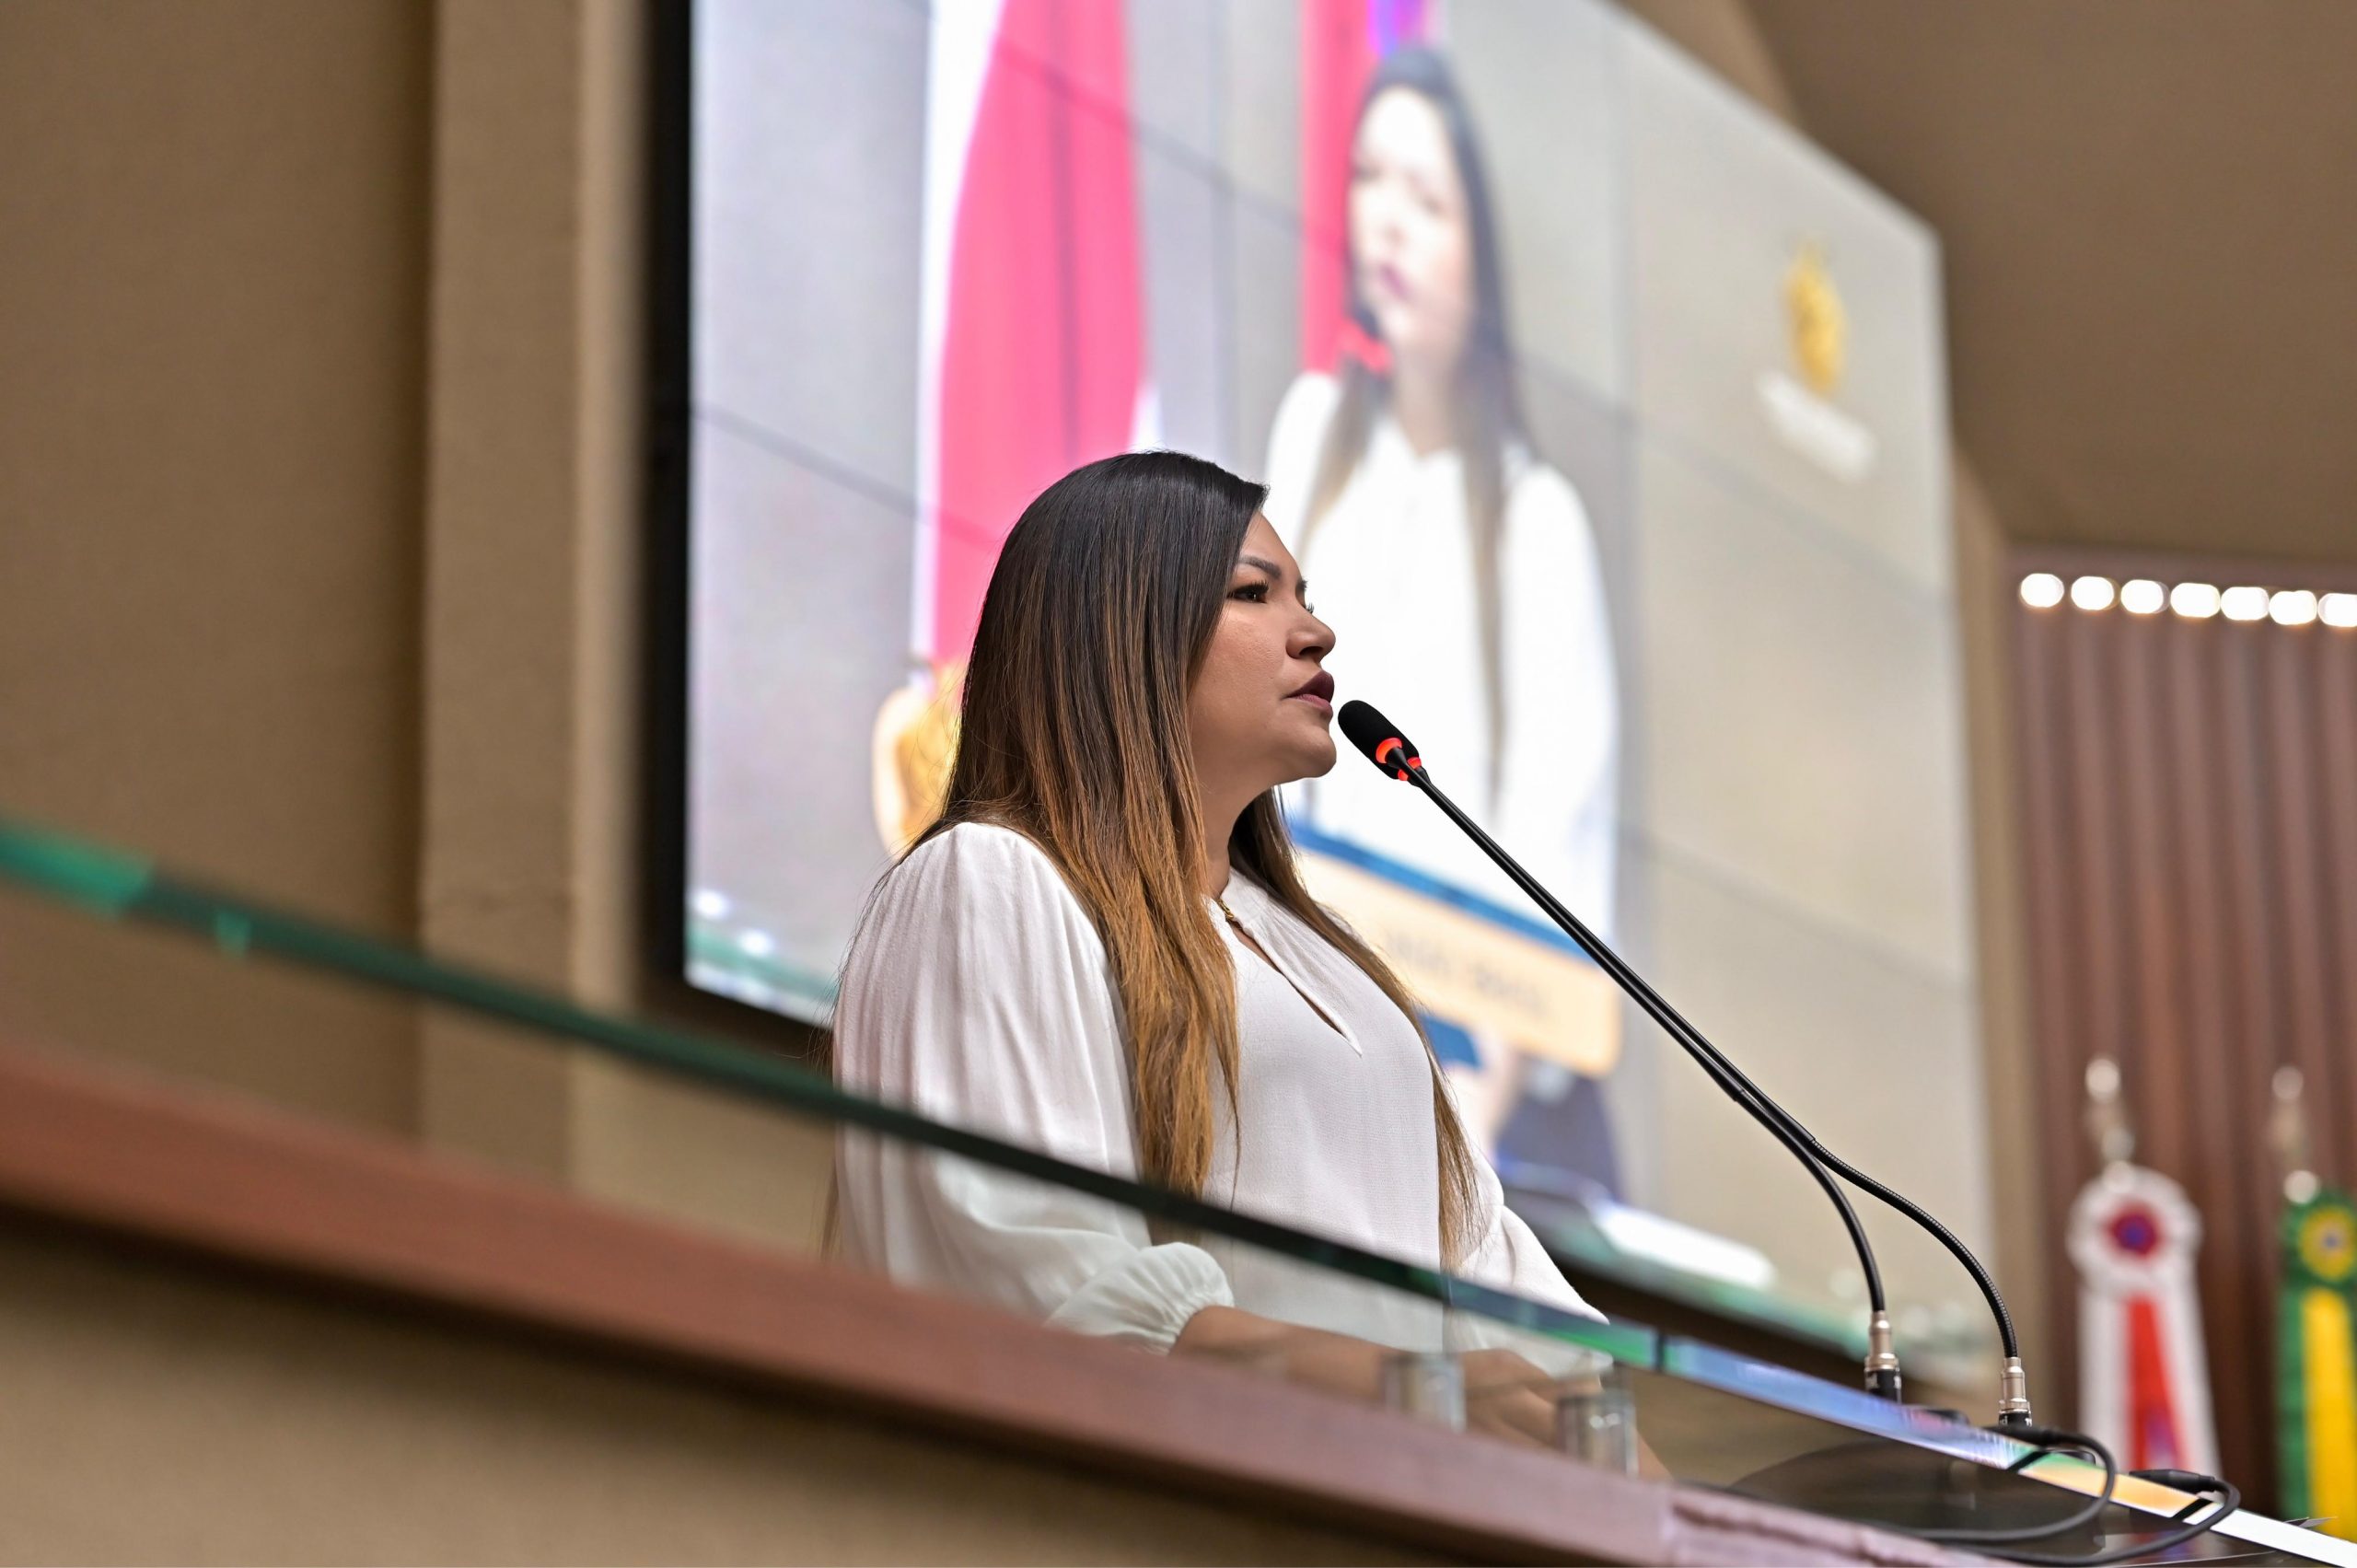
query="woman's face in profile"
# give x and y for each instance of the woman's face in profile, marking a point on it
(1261, 708)
(1411, 246)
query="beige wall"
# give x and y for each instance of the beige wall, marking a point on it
(1723, 35)
(319, 523)
(1984, 597)
(211, 302)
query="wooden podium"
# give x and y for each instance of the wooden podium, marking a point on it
(230, 1334)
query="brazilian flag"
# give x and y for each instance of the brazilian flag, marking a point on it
(2315, 1349)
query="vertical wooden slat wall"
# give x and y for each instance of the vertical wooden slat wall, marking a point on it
(2189, 818)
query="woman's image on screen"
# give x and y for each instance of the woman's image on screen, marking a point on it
(1462, 576)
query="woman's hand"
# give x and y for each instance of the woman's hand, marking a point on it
(1335, 1363)
(1509, 1397)
(1505, 1395)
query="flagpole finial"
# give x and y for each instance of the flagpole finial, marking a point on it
(2288, 1130)
(2107, 1124)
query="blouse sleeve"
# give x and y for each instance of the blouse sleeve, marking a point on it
(977, 994)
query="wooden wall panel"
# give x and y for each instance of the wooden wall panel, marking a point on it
(2190, 828)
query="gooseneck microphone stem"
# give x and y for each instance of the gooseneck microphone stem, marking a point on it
(1883, 1378)
(2014, 1408)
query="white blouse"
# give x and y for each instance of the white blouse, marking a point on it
(1393, 552)
(977, 992)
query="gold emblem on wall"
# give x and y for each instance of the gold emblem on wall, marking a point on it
(1820, 327)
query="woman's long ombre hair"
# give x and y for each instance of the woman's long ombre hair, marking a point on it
(1075, 734)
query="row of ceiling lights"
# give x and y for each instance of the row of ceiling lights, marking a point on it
(2195, 601)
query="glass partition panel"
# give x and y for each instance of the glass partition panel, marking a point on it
(735, 1140)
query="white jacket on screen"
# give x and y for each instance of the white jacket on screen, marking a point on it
(1390, 568)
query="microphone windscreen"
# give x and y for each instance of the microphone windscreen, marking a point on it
(1377, 736)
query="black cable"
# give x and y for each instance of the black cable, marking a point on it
(2229, 1498)
(2182, 1480)
(1730, 1077)
(2050, 1440)
(1940, 1233)
(1722, 1073)
(1806, 1147)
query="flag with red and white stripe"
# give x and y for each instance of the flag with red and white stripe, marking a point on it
(2143, 1375)
(1032, 311)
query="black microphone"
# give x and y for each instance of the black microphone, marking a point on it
(1380, 739)
(1388, 748)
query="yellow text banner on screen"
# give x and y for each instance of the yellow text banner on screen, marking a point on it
(1544, 1001)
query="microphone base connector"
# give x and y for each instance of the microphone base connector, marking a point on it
(1881, 1359)
(2012, 1396)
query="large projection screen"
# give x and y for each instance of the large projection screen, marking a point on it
(1703, 677)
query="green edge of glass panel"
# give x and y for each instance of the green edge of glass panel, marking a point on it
(98, 878)
(1764, 1382)
(79, 873)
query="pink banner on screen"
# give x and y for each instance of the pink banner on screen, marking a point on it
(1042, 357)
(1340, 42)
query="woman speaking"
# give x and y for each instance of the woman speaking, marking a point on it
(1101, 949)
